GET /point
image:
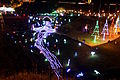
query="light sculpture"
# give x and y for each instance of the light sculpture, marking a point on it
(43, 32)
(96, 32)
(105, 30)
(111, 34)
(116, 26)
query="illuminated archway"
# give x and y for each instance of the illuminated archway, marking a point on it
(48, 18)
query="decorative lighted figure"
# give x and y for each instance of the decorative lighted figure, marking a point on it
(68, 63)
(105, 30)
(47, 21)
(58, 52)
(119, 22)
(111, 34)
(96, 32)
(116, 26)
(43, 32)
(96, 72)
(80, 74)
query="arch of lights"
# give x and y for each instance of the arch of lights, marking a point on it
(48, 18)
(42, 33)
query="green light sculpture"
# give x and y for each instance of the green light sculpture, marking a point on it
(96, 32)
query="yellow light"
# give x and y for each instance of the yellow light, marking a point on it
(60, 9)
(89, 1)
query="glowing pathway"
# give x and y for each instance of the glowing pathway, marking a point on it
(42, 33)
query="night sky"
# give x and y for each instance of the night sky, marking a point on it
(51, 5)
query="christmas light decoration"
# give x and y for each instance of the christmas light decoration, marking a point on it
(56, 40)
(25, 40)
(46, 60)
(76, 54)
(80, 75)
(48, 18)
(68, 63)
(96, 72)
(79, 44)
(111, 31)
(69, 20)
(43, 32)
(96, 32)
(119, 23)
(65, 41)
(58, 52)
(68, 70)
(31, 51)
(92, 53)
(89, 1)
(48, 43)
(86, 28)
(105, 30)
(116, 26)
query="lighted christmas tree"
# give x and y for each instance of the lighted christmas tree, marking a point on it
(119, 22)
(105, 30)
(96, 32)
(116, 26)
(111, 34)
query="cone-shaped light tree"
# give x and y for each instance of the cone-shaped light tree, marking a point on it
(116, 26)
(96, 32)
(105, 30)
(111, 31)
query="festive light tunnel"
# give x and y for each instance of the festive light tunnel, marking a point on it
(42, 33)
